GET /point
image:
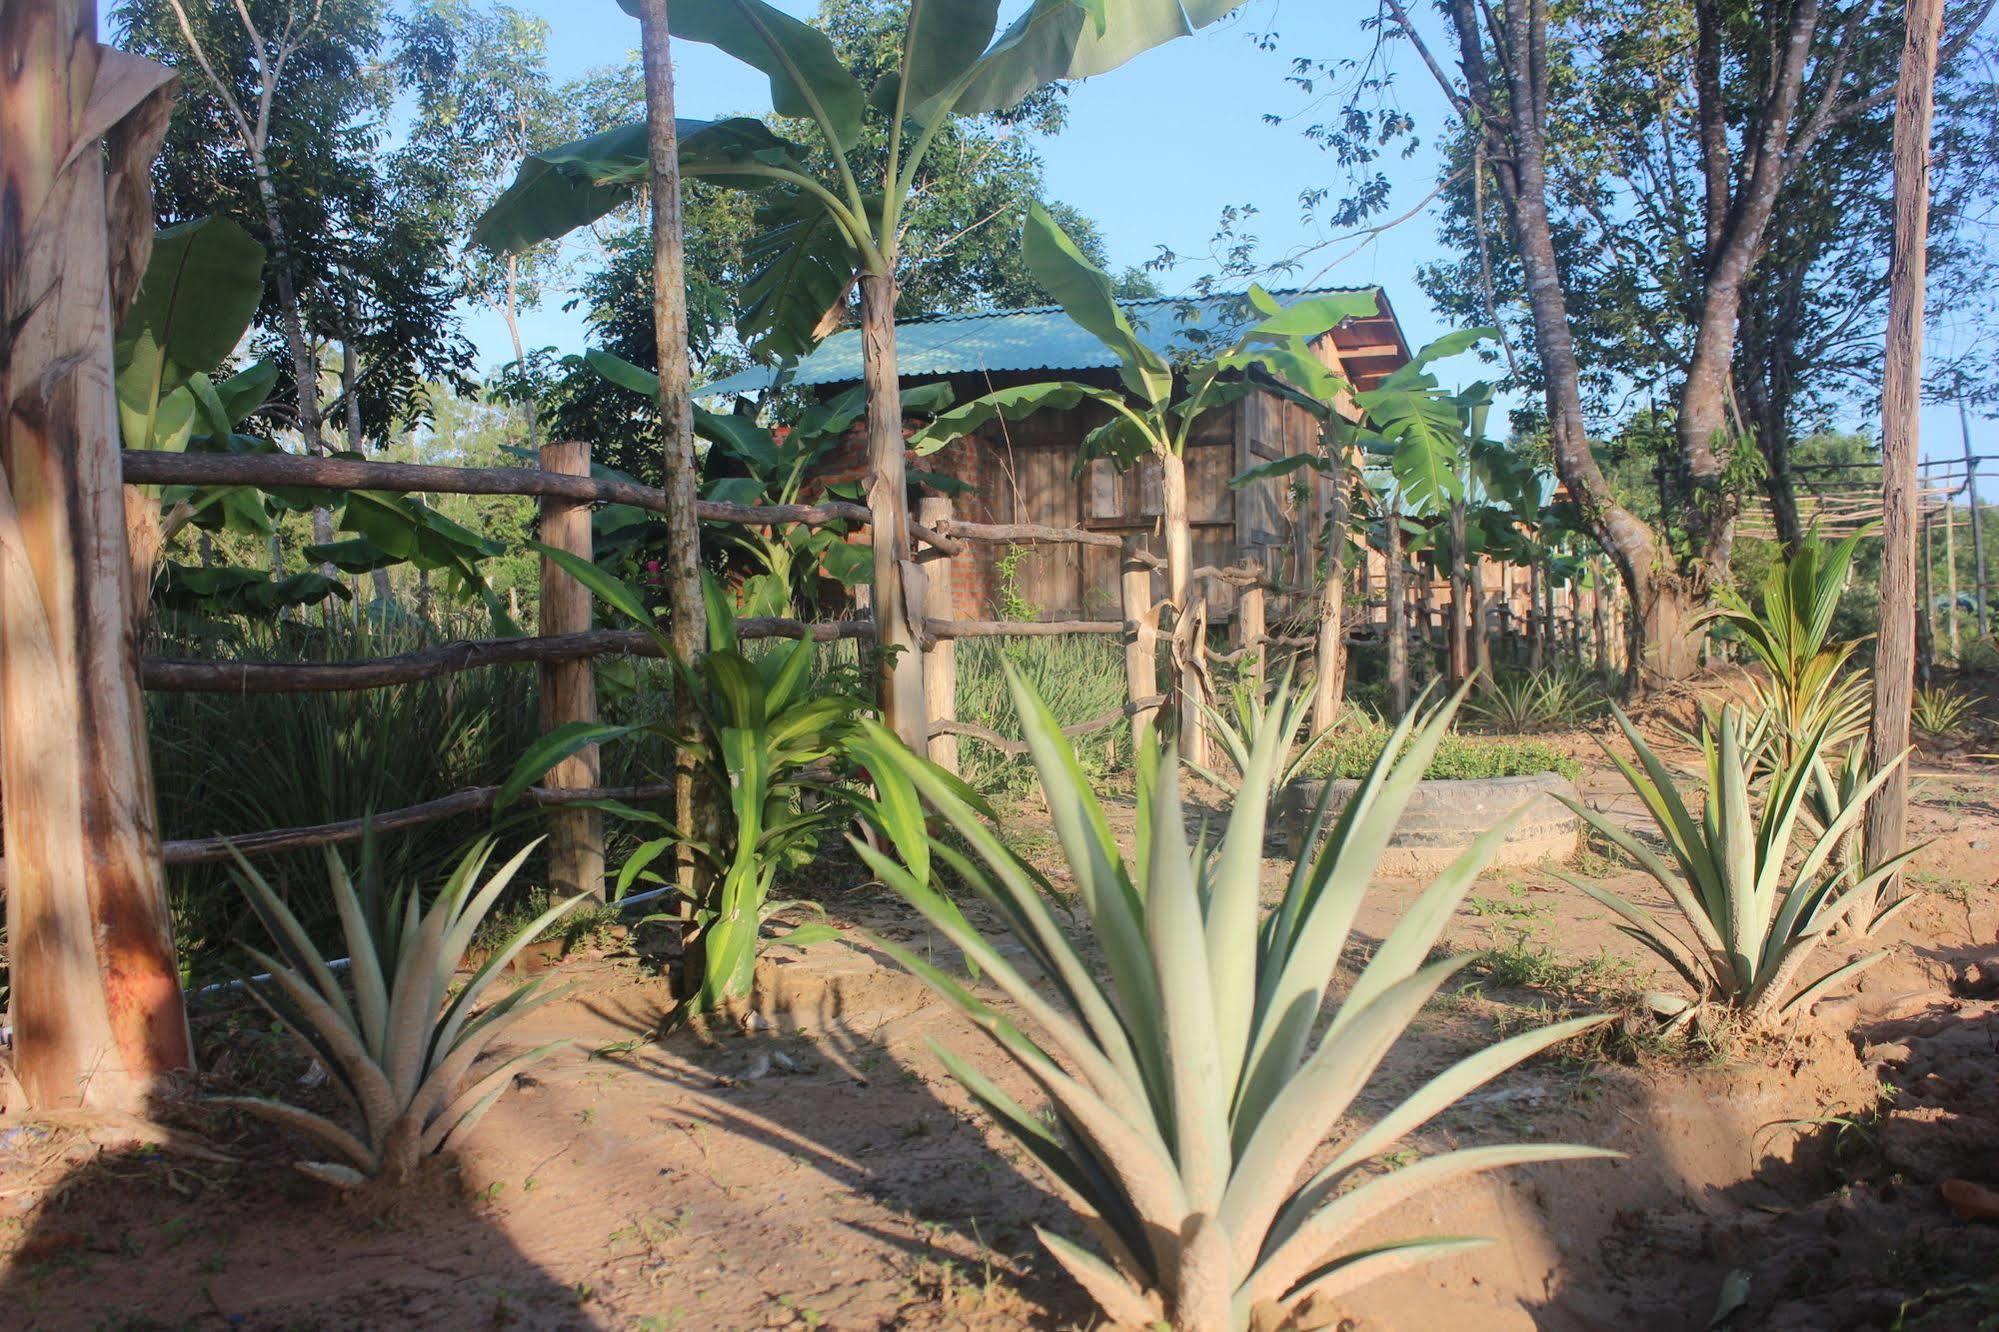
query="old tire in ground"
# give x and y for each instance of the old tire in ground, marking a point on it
(1443, 817)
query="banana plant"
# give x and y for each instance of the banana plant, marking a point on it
(402, 1044)
(1752, 912)
(1157, 405)
(825, 228)
(1190, 1077)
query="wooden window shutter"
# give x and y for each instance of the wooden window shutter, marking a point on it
(1151, 498)
(1102, 499)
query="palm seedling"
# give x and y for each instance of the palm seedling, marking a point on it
(1789, 630)
(401, 1045)
(1190, 1083)
(1753, 914)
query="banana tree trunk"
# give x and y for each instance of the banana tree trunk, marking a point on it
(1330, 685)
(1189, 687)
(96, 999)
(1460, 628)
(897, 633)
(1397, 622)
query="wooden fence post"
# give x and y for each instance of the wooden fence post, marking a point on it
(1252, 635)
(569, 688)
(1141, 638)
(96, 999)
(940, 655)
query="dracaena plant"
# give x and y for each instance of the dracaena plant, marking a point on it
(1752, 907)
(395, 1038)
(1190, 1079)
(770, 746)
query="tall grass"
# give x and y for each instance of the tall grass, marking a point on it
(1078, 676)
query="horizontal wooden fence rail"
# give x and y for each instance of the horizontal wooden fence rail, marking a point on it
(182, 675)
(1027, 534)
(1018, 747)
(275, 841)
(1018, 628)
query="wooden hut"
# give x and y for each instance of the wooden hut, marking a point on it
(1026, 471)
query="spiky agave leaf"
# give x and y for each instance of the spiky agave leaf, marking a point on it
(1180, 1130)
(398, 1048)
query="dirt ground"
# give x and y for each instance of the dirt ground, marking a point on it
(813, 1167)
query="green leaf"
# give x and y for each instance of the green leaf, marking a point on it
(1008, 404)
(1277, 467)
(801, 264)
(617, 370)
(199, 293)
(941, 40)
(1085, 294)
(613, 592)
(1066, 39)
(245, 391)
(807, 79)
(563, 188)
(549, 750)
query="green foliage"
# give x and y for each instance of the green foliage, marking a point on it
(1809, 691)
(1080, 675)
(1755, 912)
(764, 741)
(823, 223)
(1251, 716)
(1189, 1080)
(1517, 701)
(1939, 711)
(402, 1044)
(1353, 752)
(200, 290)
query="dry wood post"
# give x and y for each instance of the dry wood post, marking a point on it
(96, 1000)
(1396, 623)
(1252, 634)
(1950, 571)
(1901, 403)
(940, 655)
(1141, 638)
(1534, 622)
(569, 688)
(1461, 599)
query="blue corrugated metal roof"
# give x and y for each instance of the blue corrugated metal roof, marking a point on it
(1040, 338)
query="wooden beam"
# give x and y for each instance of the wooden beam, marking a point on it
(182, 675)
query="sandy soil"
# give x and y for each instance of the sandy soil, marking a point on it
(813, 1167)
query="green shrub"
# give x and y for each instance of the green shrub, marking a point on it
(1458, 757)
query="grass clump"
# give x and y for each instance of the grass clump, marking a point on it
(1079, 677)
(1458, 757)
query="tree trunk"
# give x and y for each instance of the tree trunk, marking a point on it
(1671, 640)
(1397, 623)
(1536, 621)
(96, 1000)
(1901, 403)
(1331, 650)
(1460, 627)
(896, 632)
(1189, 687)
(676, 423)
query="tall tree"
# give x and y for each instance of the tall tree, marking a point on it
(1580, 120)
(1901, 411)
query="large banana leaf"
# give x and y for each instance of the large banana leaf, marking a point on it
(1070, 39)
(560, 189)
(200, 291)
(943, 39)
(1084, 292)
(807, 80)
(802, 266)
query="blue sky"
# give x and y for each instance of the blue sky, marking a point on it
(1153, 151)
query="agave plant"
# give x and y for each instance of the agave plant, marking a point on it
(1191, 1084)
(1517, 702)
(1753, 913)
(1938, 711)
(1789, 630)
(401, 1045)
(1237, 734)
